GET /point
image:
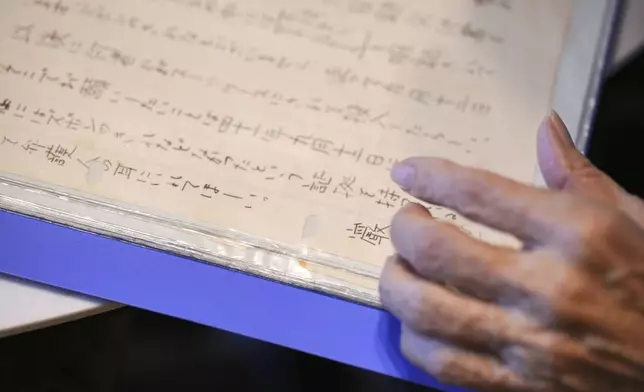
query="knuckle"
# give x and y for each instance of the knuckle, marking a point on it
(568, 293)
(571, 291)
(599, 225)
(555, 287)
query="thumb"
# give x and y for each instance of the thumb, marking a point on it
(565, 168)
(562, 165)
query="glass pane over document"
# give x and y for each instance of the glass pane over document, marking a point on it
(274, 120)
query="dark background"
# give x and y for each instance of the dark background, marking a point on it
(134, 350)
(617, 143)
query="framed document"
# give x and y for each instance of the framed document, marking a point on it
(259, 135)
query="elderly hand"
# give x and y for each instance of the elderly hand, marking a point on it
(563, 313)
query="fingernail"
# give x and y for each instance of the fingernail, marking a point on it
(403, 175)
(560, 129)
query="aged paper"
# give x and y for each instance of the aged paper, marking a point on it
(279, 119)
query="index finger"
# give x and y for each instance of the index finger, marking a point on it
(527, 212)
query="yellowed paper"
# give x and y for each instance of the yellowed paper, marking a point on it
(279, 119)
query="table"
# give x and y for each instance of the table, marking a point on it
(25, 306)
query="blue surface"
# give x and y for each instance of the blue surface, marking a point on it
(183, 288)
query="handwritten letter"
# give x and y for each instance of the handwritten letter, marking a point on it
(260, 115)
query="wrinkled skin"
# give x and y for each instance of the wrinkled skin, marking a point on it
(563, 313)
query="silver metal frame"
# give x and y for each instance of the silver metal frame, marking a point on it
(602, 61)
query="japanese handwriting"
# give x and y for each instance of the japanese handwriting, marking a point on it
(253, 115)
